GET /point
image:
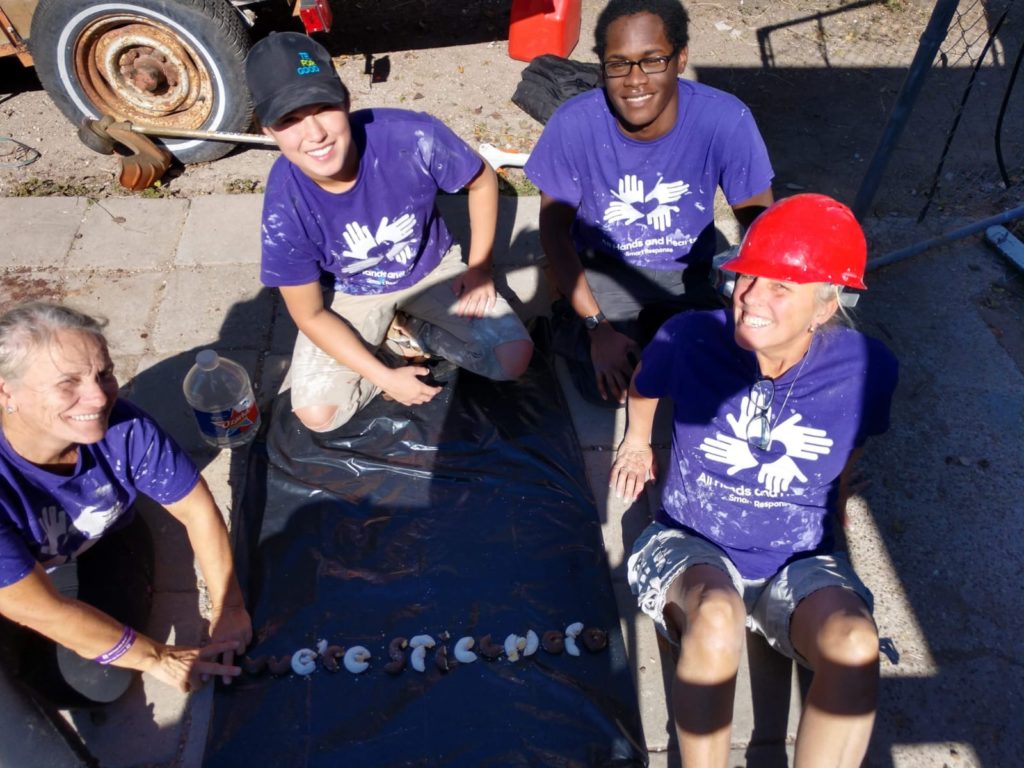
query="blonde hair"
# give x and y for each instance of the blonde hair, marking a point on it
(831, 292)
(33, 325)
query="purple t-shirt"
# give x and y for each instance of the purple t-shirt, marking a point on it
(651, 202)
(383, 234)
(763, 507)
(49, 518)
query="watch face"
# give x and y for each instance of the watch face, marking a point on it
(593, 321)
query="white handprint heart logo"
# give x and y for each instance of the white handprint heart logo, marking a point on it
(800, 442)
(55, 523)
(389, 243)
(632, 204)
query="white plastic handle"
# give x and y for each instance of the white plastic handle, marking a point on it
(498, 158)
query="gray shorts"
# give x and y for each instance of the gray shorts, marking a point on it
(316, 378)
(661, 554)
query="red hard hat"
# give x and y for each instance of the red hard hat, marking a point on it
(805, 238)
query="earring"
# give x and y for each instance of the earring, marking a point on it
(10, 409)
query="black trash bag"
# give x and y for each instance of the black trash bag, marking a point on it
(549, 80)
(468, 515)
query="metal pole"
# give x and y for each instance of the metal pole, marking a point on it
(188, 133)
(956, 234)
(931, 39)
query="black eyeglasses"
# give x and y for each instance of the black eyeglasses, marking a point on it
(651, 65)
(759, 429)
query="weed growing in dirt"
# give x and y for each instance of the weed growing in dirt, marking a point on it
(35, 187)
(92, 187)
(243, 186)
(512, 182)
(158, 190)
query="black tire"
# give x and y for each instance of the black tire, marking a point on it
(176, 63)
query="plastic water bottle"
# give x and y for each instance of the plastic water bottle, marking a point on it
(220, 394)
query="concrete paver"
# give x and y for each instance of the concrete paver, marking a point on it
(223, 306)
(126, 233)
(621, 520)
(221, 230)
(650, 662)
(597, 427)
(22, 283)
(58, 218)
(126, 329)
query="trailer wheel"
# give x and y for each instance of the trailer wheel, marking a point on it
(171, 63)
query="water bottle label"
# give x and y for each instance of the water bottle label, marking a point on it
(229, 423)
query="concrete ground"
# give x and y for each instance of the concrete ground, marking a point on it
(933, 530)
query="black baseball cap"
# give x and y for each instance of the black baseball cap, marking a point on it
(287, 71)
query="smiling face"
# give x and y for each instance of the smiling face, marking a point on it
(63, 397)
(644, 105)
(318, 139)
(775, 318)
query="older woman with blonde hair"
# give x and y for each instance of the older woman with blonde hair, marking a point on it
(772, 403)
(74, 556)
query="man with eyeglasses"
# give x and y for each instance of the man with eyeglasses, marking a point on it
(628, 176)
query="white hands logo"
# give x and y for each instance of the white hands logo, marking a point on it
(661, 216)
(631, 203)
(776, 476)
(92, 521)
(389, 243)
(55, 523)
(630, 194)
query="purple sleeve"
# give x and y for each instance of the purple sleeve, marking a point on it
(881, 379)
(550, 168)
(290, 254)
(158, 467)
(16, 562)
(658, 361)
(451, 162)
(746, 169)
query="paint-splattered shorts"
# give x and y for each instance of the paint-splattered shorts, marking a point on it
(316, 378)
(661, 554)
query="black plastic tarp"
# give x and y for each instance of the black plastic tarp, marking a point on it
(468, 515)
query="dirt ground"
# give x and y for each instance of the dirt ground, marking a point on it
(820, 78)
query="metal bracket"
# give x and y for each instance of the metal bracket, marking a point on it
(147, 162)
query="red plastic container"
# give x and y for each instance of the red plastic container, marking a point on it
(543, 26)
(316, 16)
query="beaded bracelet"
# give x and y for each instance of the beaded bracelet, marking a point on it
(120, 648)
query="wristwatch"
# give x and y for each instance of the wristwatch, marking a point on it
(594, 320)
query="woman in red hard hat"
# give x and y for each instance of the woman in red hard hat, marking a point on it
(772, 402)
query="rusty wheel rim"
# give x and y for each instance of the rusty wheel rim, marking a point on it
(135, 69)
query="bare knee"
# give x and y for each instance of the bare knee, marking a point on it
(514, 358)
(847, 640)
(844, 657)
(715, 619)
(318, 418)
(711, 621)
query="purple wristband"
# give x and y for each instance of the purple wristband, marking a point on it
(120, 648)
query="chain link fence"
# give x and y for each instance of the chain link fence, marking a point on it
(830, 83)
(961, 152)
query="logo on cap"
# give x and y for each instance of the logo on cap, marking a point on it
(306, 64)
